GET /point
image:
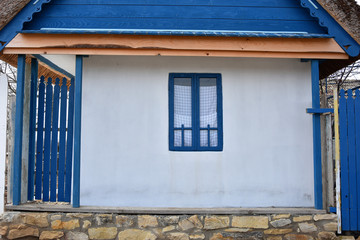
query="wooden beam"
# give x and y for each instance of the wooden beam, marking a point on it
(100, 44)
(165, 52)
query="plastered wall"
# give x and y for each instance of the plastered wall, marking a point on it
(267, 157)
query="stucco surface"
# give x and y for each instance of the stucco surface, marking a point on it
(267, 156)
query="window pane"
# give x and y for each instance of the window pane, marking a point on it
(188, 138)
(213, 138)
(179, 141)
(204, 138)
(182, 102)
(177, 138)
(208, 103)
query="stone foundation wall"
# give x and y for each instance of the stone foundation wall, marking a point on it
(79, 226)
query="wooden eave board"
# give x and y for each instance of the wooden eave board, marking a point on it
(102, 44)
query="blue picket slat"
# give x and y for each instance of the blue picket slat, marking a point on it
(32, 127)
(62, 142)
(47, 141)
(357, 133)
(352, 160)
(345, 217)
(69, 143)
(54, 141)
(40, 140)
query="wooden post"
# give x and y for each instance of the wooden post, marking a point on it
(329, 162)
(25, 141)
(324, 153)
(3, 119)
(77, 131)
(18, 129)
(316, 135)
(10, 148)
(32, 127)
(337, 158)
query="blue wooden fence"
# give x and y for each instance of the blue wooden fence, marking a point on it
(51, 168)
(349, 114)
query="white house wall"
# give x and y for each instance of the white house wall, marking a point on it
(267, 157)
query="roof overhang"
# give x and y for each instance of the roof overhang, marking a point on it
(162, 45)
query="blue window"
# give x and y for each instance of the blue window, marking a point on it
(195, 112)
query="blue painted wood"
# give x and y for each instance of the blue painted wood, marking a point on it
(16, 24)
(69, 143)
(54, 141)
(265, 3)
(180, 12)
(40, 140)
(348, 44)
(195, 104)
(220, 112)
(175, 24)
(171, 111)
(47, 140)
(62, 142)
(316, 134)
(32, 128)
(195, 129)
(352, 160)
(319, 110)
(18, 129)
(77, 131)
(345, 203)
(262, 15)
(208, 33)
(357, 133)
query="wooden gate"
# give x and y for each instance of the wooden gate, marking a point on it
(349, 116)
(51, 140)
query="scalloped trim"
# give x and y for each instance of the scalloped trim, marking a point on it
(37, 10)
(346, 42)
(17, 23)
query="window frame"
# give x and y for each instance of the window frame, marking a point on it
(195, 109)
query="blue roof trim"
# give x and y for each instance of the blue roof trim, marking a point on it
(181, 33)
(346, 42)
(16, 24)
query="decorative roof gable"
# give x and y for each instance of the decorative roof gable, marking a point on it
(247, 18)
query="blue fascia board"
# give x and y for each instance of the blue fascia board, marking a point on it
(16, 24)
(53, 65)
(219, 33)
(343, 38)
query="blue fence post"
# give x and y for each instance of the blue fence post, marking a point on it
(316, 134)
(18, 129)
(32, 127)
(69, 143)
(77, 131)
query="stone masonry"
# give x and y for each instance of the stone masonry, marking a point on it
(81, 226)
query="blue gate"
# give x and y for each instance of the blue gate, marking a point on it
(349, 121)
(51, 140)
